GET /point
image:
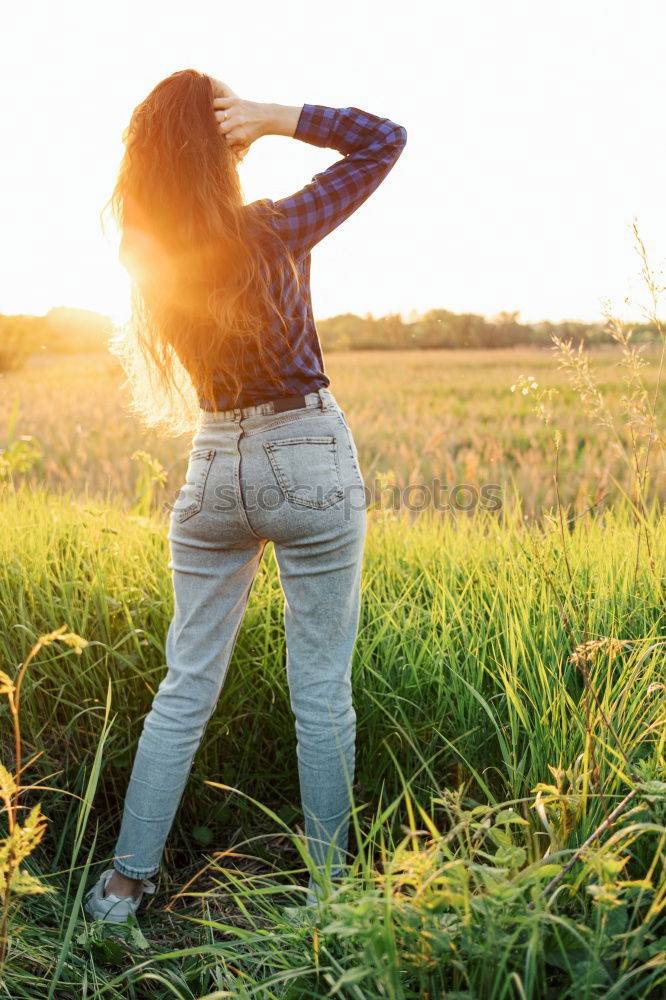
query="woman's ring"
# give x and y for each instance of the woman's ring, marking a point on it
(226, 114)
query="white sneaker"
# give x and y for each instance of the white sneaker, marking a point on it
(116, 909)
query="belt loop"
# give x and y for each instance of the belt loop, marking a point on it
(321, 397)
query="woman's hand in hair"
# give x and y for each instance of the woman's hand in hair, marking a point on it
(221, 89)
(245, 121)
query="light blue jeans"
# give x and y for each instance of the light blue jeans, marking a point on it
(255, 476)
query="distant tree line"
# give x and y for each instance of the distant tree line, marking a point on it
(441, 328)
(73, 330)
(62, 330)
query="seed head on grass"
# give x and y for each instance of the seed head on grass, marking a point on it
(77, 642)
(587, 652)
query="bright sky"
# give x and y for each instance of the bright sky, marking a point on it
(535, 135)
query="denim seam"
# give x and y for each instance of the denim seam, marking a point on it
(237, 485)
(357, 467)
(133, 872)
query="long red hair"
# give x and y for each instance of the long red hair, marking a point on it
(200, 264)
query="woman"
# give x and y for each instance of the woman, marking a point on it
(223, 342)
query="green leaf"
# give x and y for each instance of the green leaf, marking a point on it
(653, 790)
(350, 976)
(203, 834)
(505, 816)
(511, 857)
(547, 871)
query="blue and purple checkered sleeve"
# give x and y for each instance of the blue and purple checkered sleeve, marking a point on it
(371, 146)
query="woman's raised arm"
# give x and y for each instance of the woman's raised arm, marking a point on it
(371, 146)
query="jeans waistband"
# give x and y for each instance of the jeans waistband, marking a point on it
(322, 399)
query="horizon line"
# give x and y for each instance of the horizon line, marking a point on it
(402, 313)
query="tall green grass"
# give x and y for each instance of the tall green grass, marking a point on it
(509, 687)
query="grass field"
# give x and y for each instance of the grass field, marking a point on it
(416, 415)
(509, 686)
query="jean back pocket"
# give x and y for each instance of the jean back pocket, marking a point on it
(307, 469)
(190, 496)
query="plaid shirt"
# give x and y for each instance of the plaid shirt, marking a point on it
(371, 146)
